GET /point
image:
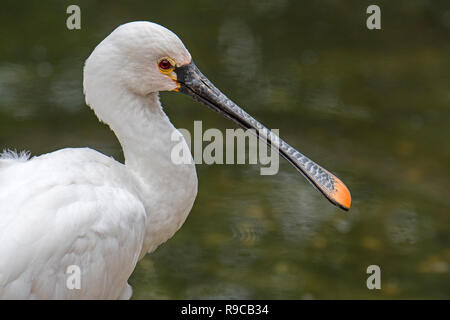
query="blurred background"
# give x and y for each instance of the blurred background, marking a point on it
(373, 107)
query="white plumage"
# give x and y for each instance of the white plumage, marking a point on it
(80, 207)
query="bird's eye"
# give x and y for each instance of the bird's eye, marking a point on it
(165, 65)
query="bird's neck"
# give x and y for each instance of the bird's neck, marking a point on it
(166, 189)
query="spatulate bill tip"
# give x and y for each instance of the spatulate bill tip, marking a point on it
(341, 195)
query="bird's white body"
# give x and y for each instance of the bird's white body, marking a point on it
(78, 212)
(78, 207)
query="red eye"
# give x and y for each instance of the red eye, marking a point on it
(165, 64)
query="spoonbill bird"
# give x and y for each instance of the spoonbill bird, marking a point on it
(77, 208)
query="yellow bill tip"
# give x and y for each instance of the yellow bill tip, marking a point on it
(341, 195)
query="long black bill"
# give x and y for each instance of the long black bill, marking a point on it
(194, 84)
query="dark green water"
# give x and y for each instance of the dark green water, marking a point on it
(371, 106)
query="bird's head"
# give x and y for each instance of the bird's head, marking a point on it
(141, 55)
